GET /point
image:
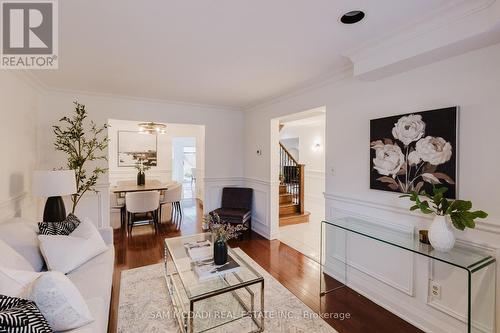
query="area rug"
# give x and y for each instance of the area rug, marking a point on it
(145, 305)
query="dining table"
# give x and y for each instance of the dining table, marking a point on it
(121, 189)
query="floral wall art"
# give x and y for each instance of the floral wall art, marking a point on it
(413, 152)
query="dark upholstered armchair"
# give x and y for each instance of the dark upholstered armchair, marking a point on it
(236, 206)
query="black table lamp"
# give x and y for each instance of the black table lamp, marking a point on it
(53, 185)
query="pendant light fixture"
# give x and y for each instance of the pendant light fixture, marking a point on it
(152, 128)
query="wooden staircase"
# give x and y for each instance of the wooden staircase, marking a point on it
(291, 192)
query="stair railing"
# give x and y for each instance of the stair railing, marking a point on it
(292, 176)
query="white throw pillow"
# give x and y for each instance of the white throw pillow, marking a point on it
(59, 301)
(14, 282)
(66, 253)
(9, 258)
(22, 236)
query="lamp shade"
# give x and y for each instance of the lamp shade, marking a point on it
(54, 183)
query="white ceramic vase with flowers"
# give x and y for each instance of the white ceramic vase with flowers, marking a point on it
(456, 213)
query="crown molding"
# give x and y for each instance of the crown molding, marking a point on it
(38, 84)
(30, 79)
(443, 15)
(143, 99)
(450, 24)
(316, 83)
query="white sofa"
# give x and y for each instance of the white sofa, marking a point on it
(93, 279)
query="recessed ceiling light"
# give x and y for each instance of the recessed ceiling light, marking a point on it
(352, 17)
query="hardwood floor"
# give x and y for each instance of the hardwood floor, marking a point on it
(293, 270)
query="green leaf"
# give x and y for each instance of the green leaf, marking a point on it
(424, 208)
(462, 205)
(457, 221)
(463, 219)
(444, 205)
(479, 214)
(415, 207)
(470, 223)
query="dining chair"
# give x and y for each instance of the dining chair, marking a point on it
(117, 202)
(147, 202)
(173, 196)
(193, 176)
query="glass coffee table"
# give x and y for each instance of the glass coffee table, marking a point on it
(234, 299)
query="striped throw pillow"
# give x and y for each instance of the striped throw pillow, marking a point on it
(18, 315)
(64, 228)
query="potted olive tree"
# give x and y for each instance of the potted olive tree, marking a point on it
(83, 144)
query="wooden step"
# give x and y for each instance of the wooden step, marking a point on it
(286, 198)
(289, 208)
(282, 189)
(296, 218)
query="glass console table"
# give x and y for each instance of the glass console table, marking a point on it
(334, 237)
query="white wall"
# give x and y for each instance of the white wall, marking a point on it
(223, 137)
(470, 81)
(18, 109)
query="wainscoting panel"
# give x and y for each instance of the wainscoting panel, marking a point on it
(261, 221)
(314, 185)
(213, 190)
(453, 300)
(383, 262)
(399, 280)
(94, 206)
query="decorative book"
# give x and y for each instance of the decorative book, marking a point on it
(200, 250)
(207, 269)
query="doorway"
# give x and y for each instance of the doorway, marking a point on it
(301, 141)
(184, 164)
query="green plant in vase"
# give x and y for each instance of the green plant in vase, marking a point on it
(141, 175)
(221, 233)
(459, 212)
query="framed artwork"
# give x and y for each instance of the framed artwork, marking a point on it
(134, 147)
(413, 152)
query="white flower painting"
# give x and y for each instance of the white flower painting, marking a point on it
(414, 152)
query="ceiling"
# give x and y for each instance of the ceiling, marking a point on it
(231, 53)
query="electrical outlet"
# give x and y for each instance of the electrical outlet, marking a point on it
(435, 289)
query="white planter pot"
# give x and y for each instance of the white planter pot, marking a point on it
(441, 236)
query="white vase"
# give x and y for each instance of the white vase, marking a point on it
(441, 236)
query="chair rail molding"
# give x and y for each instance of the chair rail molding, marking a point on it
(491, 225)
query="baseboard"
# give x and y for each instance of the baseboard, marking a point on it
(260, 228)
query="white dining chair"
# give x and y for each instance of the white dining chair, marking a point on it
(117, 202)
(142, 202)
(193, 176)
(173, 196)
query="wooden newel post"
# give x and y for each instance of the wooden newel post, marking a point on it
(301, 187)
